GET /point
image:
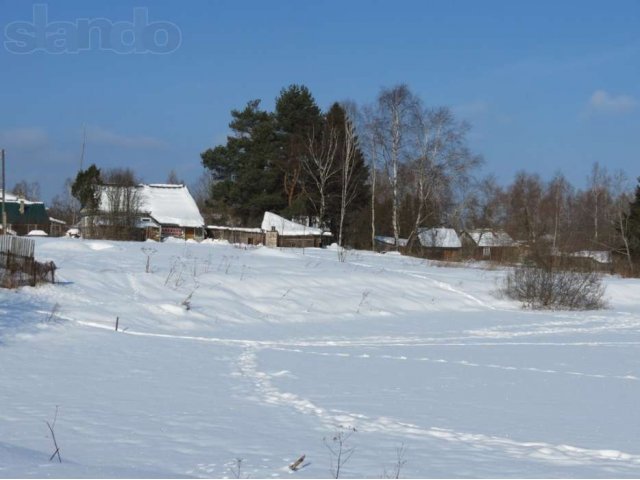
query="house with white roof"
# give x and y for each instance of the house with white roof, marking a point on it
(24, 216)
(489, 244)
(275, 231)
(154, 211)
(439, 243)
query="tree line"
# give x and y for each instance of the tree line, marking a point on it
(390, 167)
(395, 166)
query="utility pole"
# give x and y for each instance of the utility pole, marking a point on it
(84, 141)
(4, 188)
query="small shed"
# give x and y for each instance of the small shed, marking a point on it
(439, 243)
(488, 244)
(57, 228)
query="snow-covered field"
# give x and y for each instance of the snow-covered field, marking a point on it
(282, 347)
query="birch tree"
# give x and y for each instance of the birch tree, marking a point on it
(320, 164)
(395, 107)
(443, 161)
(370, 128)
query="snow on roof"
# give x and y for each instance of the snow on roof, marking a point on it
(600, 256)
(10, 197)
(439, 238)
(286, 227)
(55, 220)
(490, 238)
(235, 229)
(37, 233)
(402, 242)
(166, 204)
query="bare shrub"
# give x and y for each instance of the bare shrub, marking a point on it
(52, 427)
(339, 449)
(553, 289)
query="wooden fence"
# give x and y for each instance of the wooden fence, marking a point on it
(19, 246)
(18, 266)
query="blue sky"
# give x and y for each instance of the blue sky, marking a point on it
(547, 86)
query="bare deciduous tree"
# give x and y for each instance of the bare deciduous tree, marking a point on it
(320, 164)
(395, 107)
(348, 185)
(443, 161)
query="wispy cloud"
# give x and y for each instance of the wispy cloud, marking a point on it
(102, 136)
(602, 101)
(471, 109)
(28, 138)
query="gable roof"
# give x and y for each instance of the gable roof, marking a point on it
(166, 204)
(286, 227)
(484, 237)
(439, 238)
(32, 213)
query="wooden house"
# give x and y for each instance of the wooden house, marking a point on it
(24, 216)
(488, 244)
(285, 233)
(155, 211)
(275, 231)
(439, 243)
(238, 235)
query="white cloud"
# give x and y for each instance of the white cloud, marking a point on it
(602, 101)
(102, 136)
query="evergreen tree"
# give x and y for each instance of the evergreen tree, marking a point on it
(633, 226)
(246, 181)
(298, 117)
(84, 188)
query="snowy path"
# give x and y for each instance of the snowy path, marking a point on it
(281, 347)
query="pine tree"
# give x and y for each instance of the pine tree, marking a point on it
(246, 181)
(85, 187)
(298, 117)
(633, 226)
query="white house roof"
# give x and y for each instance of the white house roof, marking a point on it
(491, 238)
(402, 242)
(166, 204)
(10, 197)
(286, 227)
(600, 256)
(439, 238)
(234, 229)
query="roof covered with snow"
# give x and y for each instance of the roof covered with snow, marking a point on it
(491, 238)
(402, 242)
(10, 197)
(286, 227)
(600, 256)
(439, 238)
(166, 204)
(234, 229)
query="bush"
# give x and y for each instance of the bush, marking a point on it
(548, 288)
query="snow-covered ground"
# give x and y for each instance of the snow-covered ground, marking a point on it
(282, 348)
